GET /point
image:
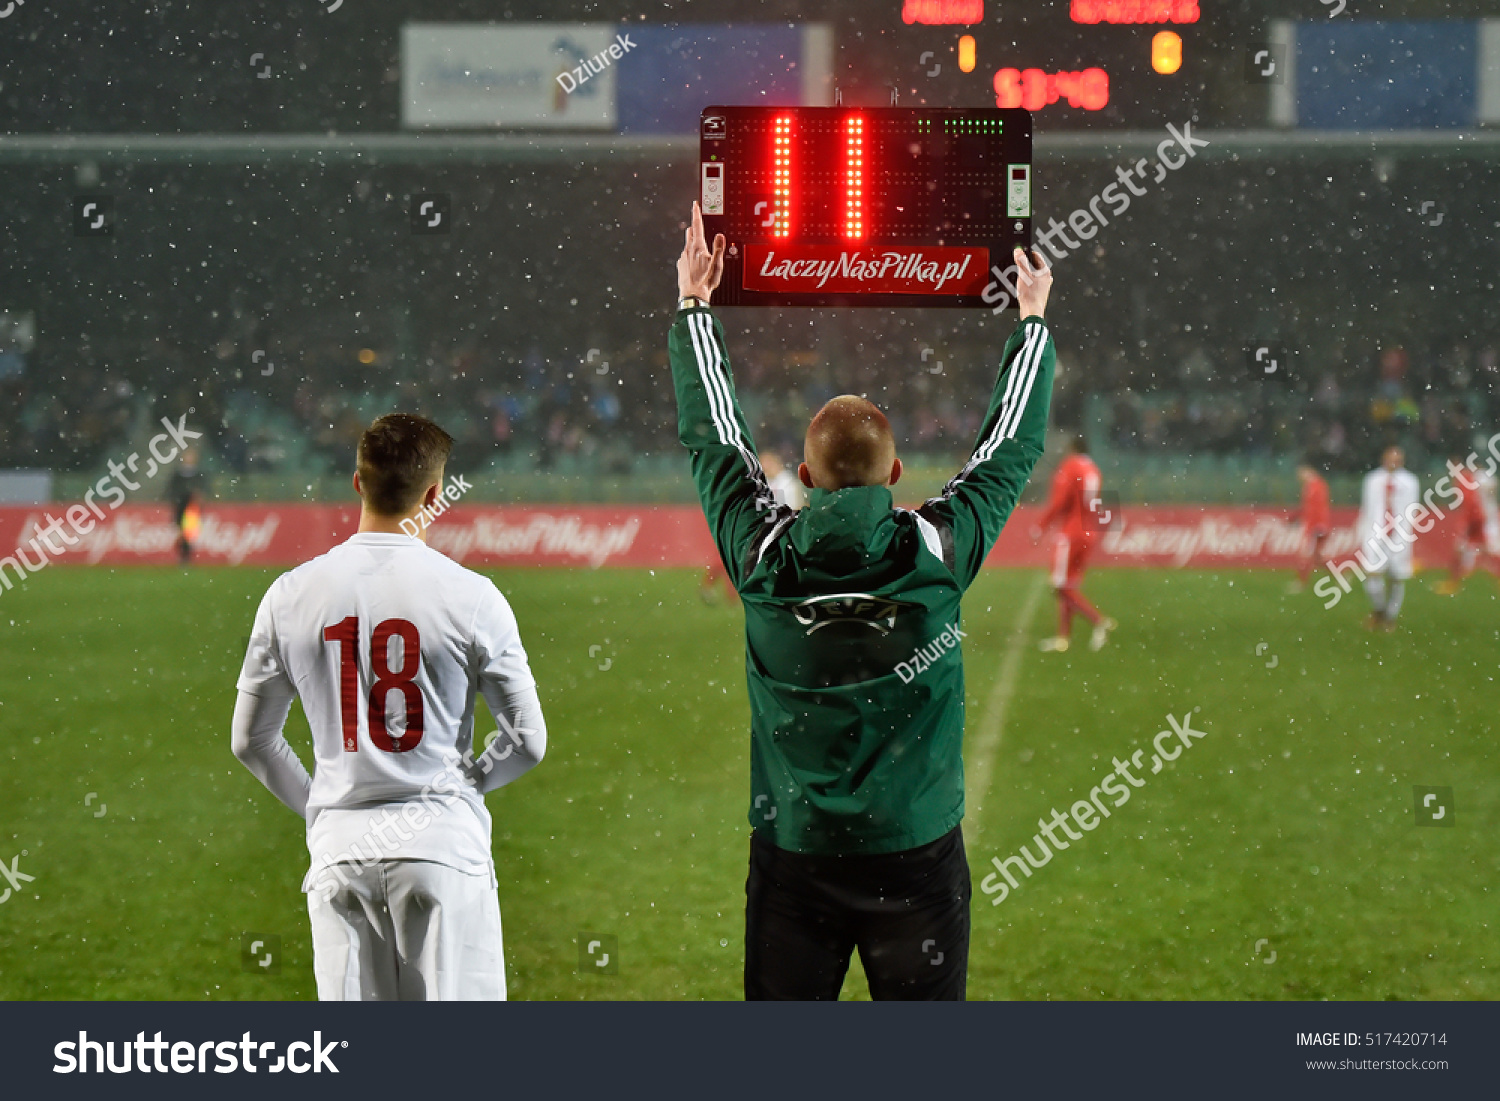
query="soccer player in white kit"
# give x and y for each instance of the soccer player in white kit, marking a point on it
(1389, 494)
(388, 643)
(785, 486)
(787, 490)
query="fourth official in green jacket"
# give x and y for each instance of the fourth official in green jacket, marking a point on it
(852, 622)
(854, 657)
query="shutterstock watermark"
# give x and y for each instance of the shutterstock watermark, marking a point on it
(1089, 813)
(598, 954)
(14, 876)
(1086, 222)
(1420, 517)
(421, 812)
(81, 518)
(85, 1056)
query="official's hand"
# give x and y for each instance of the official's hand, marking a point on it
(1033, 282)
(698, 269)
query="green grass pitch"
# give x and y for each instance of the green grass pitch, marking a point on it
(1278, 858)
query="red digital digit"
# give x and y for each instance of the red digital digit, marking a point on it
(781, 205)
(1008, 88)
(854, 177)
(1134, 11)
(1095, 94)
(1033, 89)
(401, 679)
(346, 634)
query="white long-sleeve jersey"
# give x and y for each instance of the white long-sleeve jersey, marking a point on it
(388, 643)
(1386, 496)
(787, 490)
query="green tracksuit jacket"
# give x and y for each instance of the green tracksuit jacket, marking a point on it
(852, 624)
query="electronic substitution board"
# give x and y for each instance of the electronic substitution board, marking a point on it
(864, 206)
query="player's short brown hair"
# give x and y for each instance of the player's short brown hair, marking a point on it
(849, 443)
(399, 456)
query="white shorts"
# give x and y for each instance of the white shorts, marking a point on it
(405, 930)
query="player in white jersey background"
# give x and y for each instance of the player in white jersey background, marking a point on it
(1389, 492)
(787, 490)
(785, 485)
(388, 643)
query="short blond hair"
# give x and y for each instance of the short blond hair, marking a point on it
(849, 443)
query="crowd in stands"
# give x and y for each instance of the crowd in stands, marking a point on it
(598, 403)
(1338, 412)
(536, 332)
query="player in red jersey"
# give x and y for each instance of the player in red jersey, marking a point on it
(1313, 516)
(1075, 509)
(1478, 529)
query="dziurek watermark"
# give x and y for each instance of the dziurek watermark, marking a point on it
(596, 64)
(450, 493)
(927, 655)
(1089, 813)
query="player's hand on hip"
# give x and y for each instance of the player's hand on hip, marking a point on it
(699, 269)
(1033, 282)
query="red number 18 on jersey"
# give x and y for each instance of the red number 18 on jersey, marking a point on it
(346, 634)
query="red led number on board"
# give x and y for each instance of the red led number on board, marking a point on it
(781, 195)
(854, 177)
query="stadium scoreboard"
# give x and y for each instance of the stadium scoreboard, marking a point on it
(864, 206)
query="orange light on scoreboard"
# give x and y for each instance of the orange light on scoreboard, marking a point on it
(966, 53)
(1166, 52)
(854, 177)
(781, 183)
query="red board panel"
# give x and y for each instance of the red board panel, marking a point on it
(843, 184)
(285, 535)
(646, 536)
(836, 269)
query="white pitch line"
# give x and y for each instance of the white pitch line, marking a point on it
(992, 723)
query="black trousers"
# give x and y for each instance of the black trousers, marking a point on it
(906, 912)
